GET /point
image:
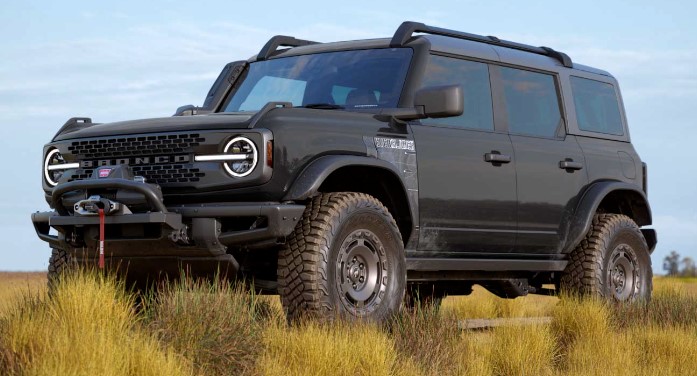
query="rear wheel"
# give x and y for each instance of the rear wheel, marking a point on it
(611, 262)
(345, 258)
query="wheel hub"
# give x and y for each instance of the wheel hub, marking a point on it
(624, 274)
(356, 271)
(361, 271)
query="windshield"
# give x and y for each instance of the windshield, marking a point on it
(361, 79)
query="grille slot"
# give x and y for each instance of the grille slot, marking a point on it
(136, 146)
(156, 174)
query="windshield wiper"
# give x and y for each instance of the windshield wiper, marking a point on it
(324, 106)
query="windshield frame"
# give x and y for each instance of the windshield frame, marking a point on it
(401, 92)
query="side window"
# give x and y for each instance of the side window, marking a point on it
(531, 102)
(597, 109)
(269, 86)
(474, 79)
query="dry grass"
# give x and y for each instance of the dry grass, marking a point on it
(89, 327)
(523, 350)
(338, 349)
(216, 326)
(483, 304)
(207, 328)
(426, 339)
(14, 286)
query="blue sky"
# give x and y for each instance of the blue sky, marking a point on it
(123, 60)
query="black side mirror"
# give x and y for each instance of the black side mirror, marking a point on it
(440, 101)
(432, 101)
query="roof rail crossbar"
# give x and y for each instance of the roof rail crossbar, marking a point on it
(278, 41)
(407, 28)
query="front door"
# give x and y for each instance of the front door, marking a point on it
(467, 194)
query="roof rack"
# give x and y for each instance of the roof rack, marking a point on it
(281, 40)
(407, 28)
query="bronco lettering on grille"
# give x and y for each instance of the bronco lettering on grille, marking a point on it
(137, 161)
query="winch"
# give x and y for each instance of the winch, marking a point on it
(92, 205)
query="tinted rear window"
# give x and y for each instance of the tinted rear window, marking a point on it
(532, 103)
(597, 109)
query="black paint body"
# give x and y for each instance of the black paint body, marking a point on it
(492, 220)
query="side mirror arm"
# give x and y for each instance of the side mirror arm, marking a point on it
(190, 110)
(400, 114)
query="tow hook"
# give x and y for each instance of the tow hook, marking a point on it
(92, 205)
(181, 236)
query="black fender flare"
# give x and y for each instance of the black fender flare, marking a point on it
(311, 178)
(589, 203)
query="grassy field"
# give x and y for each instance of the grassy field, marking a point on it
(91, 327)
(15, 286)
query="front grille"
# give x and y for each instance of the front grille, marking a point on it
(118, 150)
(157, 174)
(136, 146)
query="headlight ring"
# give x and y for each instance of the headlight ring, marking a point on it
(242, 167)
(54, 166)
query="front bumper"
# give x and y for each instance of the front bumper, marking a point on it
(280, 222)
(184, 231)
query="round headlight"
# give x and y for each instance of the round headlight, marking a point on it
(55, 166)
(243, 166)
(53, 158)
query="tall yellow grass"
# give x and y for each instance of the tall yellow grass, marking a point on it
(14, 286)
(326, 350)
(203, 328)
(88, 328)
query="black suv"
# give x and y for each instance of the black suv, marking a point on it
(351, 177)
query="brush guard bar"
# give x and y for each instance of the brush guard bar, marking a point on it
(188, 230)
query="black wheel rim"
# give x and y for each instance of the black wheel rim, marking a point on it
(362, 272)
(623, 273)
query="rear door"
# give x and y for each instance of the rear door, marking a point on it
(467, 195)
(549, 163)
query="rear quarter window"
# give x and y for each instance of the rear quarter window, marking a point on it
(597, 108)
(532, 103)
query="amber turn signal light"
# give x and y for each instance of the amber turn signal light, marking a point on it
(269, 153)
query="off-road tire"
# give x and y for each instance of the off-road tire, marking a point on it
(611, 262)
(59, 263)
(316, 266)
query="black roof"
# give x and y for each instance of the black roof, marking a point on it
(441, 40)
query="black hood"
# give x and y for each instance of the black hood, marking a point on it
(166, 124)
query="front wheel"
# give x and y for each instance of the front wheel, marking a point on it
(612, 262)
(345, 258)
(60, 263)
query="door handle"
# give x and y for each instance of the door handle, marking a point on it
(569, 165)
(496, 157)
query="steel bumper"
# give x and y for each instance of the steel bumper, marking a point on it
(177, 231)
(281, 220)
